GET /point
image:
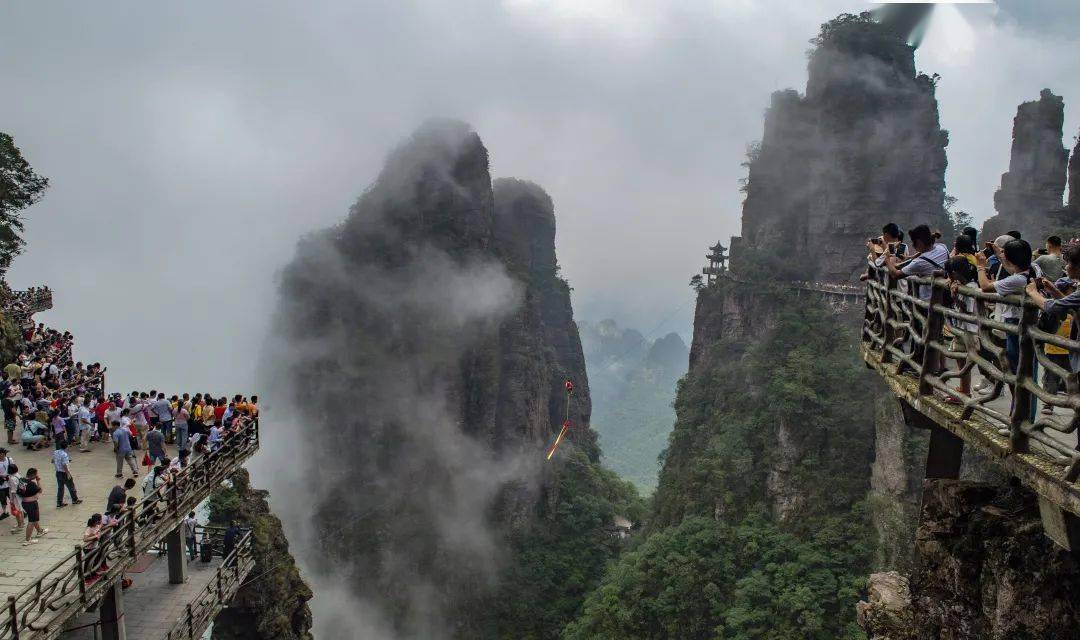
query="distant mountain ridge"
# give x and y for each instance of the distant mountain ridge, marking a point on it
(633, 387)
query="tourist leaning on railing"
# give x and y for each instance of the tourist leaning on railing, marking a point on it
(890, 242)
(961, 272)
(1062, 298)
(930, 256)
(1016, 262)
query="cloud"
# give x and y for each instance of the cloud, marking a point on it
(190, 144)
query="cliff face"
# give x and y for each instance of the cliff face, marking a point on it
(273, 603)
(538, 344)
(983, 570)
(1030, 196)
(862, 147)
(525, 238)
(1074, 180)
(427, 339)
(895, 483)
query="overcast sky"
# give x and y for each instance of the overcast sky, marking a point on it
(190, 143)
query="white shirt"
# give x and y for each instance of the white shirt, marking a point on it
(152, 482)
(5, 464)
(1010, 286)
(189, 527)
(925, 264)
(112, 415)
(137, 414)
(60, 459)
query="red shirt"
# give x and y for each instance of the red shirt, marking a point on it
(218, 412)
(101, 408)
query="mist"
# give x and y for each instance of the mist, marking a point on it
(387, 324)
(191, 145)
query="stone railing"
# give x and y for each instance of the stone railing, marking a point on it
(40, 610)
(227, 580)
(912, 342)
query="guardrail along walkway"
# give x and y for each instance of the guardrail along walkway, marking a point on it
(925, 341)
(83, 576)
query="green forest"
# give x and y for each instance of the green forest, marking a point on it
(633, 382)
(714, 560)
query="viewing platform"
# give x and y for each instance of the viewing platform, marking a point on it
(916, 345)
(21, 305)
(48, 587)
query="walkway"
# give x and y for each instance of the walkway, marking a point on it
(93, 479)
(152, 605)
(50, 582)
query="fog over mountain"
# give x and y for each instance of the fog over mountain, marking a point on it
(190, 143)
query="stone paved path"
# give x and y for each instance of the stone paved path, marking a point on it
(151, 604)
(93, 471)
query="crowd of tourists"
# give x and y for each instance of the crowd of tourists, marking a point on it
(1006, 265)
(22, 304)
(49, 400)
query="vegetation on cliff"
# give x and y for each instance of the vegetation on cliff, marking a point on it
(273, 601)
(705, 578)
(758, 527)
(633, 384)
(20, 187)
(562, 556)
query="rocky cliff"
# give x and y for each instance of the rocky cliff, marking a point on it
(862, 146)
(775, 430)
(1074, 180)
(273, 603)
(895, 482)
(984, 569)
(1030, 196)
(543, 331)
(425, 342)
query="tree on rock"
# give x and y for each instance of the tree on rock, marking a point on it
(20, 187)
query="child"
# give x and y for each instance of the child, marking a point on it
(15, 505)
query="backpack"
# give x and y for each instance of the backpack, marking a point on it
(21, 490)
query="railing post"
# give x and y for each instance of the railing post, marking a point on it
(190, 623)
(14, 618)
(82, 572)
(935, 322)
(131, 530)
(888, 331)
(1022, 397)
(220, 594)
(173, 498)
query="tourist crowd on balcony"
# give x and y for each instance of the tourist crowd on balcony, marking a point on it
(22, 304)
(50, 400)
(1007, 266)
